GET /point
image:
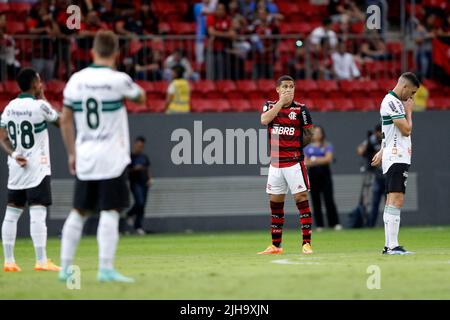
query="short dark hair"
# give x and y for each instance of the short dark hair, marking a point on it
(284, 78)
(411, 77)
(326, 21)
(140, 139)
(25, 78)
(106, 43)
(179, 71)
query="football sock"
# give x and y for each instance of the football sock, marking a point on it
(393, 217)
(107, 238)
(305, 220)
(386, 229)
(9, 232)
(38, 232)
(277, 222)
(71, 234)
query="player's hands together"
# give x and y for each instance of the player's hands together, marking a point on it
(376, 160)
(409, 104)
(72, 166)
(21, 160)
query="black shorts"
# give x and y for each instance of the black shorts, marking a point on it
(98, 195)
(396, 178)
(39, 195)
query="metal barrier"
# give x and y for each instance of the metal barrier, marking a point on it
(246, 57)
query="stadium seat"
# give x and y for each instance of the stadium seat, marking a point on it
(323, 105)
(330, 88)
(135, 107)
(146, 85)
(4, 7)
(395, 48)
(160, 86)
(15, 27)
(343, 104)
(11, 88)
(266, 86)
(240, 105)
(221, 105)
(226, 86)
(3, 104)
(20, 7)
(288, 8)
(353, 88)
(183, 27)
(431, 85)
(438, 103)
(365, 104)
(56, 104)
(386, 84)
(257, 104)
(201, 105)
(157, 105)
(308, 88)
(54, 89)
(309, 103)
(247, 86)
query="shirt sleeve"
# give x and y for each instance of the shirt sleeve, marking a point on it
(49, 113)
(306, 118)
(329, 148)
(394, 109)
(69, 94)
(266, 107)
(171, 88)
(129, 88)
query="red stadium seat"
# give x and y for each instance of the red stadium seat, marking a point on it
(386, 84)
(309, 103)
(226, 86)
(352, 88)
(258, 104)
(20, 7)
(240, 105)
(15, 27)
(161, 86)
(365, 104)
(134, 107)
(221, 105)
(183, 27)
(4, 7)
(308, 88)
(247, 86)
(329, 88)
(323, 104)
(146, 85)
(438, 104)
(265, 86)
(55, 89)
(343, 104)
(157, 105)
(56, 104)
(431, 85)
(395, 48)
(288, 7)
(3, 104)
(11, 88)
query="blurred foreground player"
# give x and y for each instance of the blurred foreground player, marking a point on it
(290, 129)
(24, 137)
(94, 97)
(395, 154)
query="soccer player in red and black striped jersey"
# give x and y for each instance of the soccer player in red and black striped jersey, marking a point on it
(290, 129)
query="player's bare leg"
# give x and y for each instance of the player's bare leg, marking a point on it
(277, 222)
(9, 233)
(301, 200)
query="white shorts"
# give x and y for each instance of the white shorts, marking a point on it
(294, 178)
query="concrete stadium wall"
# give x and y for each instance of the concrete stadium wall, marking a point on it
(202, 194)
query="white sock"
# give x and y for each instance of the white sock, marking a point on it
(107, 237)
(38, 232)
(9, 232)
(386, 228)
(393, 215)
(71, 235)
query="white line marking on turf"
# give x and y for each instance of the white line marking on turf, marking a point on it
(295, 261)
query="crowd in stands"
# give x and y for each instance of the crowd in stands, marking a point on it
(226, 40)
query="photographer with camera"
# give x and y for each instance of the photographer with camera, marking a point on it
(367, 149)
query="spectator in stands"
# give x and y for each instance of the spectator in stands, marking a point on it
(374, 47)
(129, 24)
(88, 29)
(344, 65)
(318, 158)
(219, 43)
(148, 19)
(321, 33)
(148, 64)
(240, 50)
(248, 9)
(178, 93)
(201, 11)
(264, 49)
(178, 58)
(423, 36)
(421, 97)
(140, 182)
(339, 9)
(321, 62)
(43, 24)
(296, 65)
(9, 66)
(270, 6)
(367, 150)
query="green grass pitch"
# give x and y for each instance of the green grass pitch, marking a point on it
(225, 266)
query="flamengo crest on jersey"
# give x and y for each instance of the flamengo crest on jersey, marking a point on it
(96, 95)
(396, 147)
(25, 119)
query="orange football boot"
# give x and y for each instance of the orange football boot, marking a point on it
(272, 250)
(11, 267)
(49, 266)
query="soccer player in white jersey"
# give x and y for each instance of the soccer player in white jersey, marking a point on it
(24, 137)
(395, 154)
(99, 154)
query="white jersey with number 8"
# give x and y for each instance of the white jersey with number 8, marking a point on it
(25, 119)
(96, 95)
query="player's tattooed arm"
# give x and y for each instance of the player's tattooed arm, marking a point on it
(307, 136)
